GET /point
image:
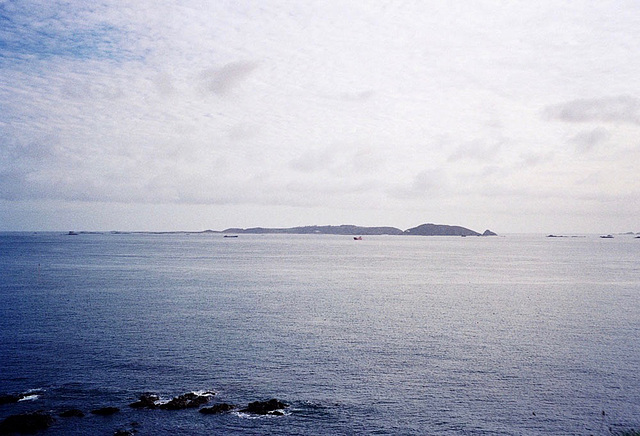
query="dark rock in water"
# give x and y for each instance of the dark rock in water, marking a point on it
(489, 233)
(71, 413)
(217, 408)
(8, 399)
(26, 423)
(146, 401)
(186, 401)
(198, 401)
(105, 411)
(264, 407)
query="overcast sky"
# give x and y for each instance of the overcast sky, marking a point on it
(189, 115)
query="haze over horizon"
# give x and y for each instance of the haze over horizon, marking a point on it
(193, 115)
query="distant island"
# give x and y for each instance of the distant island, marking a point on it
(345, 229)
(421, 230)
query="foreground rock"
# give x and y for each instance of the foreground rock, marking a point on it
(14, 398)
(269, 407)
(105, 411)
(217, 408)
(8, 399)
(146, 401)
(186, 401)
(26, 423)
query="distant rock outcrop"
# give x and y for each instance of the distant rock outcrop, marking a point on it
(489, 233)
(440, 230)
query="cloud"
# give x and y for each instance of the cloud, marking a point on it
(477, 150)
(312, 160)
(243, 132)
(222, 81)
(357, 97)
(620, 109)
(587, 140)
(530, 159)
(430, 183)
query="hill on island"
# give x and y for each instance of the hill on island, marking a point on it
(440, 230)
(421, 230)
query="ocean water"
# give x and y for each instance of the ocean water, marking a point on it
(515, 335)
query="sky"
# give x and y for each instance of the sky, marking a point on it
(163, 115)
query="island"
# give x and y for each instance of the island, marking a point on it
(444, 230)
(429, 229)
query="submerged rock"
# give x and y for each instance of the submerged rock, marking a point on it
(105, 411)
(217, 408)
(26, 423)
(265, 407)
(71, 413)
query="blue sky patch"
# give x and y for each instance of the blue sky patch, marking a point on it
(24, 35)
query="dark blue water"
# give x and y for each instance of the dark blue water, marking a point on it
(518, 335)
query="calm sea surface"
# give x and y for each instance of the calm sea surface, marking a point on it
(516, 335)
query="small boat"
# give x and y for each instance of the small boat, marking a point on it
(357, 238)
(230, 236)
(607, 236)
(72, 233)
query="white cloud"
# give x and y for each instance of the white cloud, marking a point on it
(587, 140)
(622, 109)
(477, 150)
(221, 81)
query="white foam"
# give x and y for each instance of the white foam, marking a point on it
(29, 397)
(204, 393)
(161, 401)
(35, 390)
(245, 415)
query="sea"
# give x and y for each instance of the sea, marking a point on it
(388, 335)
